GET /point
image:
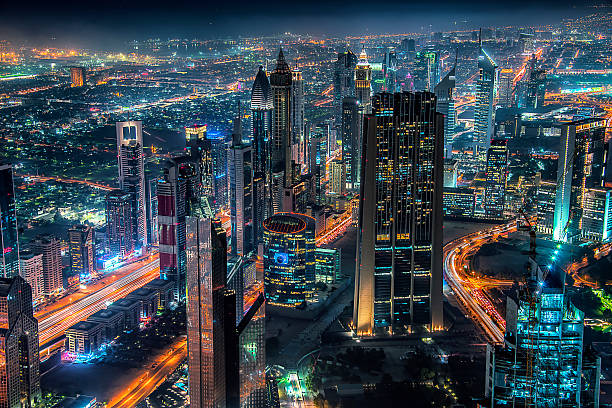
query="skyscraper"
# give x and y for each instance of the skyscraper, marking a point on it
(485, 95)
(398, 277)
(338, 177)
(19, 354)
(119, 224)
(280, 140)
(444, 91)
(497, 176)
(289, 259)
(82, 251)
(9, 242)
(351, 140)
(536, 89)
(177, 192)
(200, 150)
(220, 179)
(426, 70)
(252, 350)
(211, 317)
(506, 88)
(363, 82)
(583, 164)
(50, 248)
(77, 76)
(344, 81)
(31, 269)
(240, 161)
(151, 203)
(131, 175)
(297, 116)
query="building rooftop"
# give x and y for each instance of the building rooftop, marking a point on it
(104, 314)
(287, 223)
(124, 302)
(84, 325)
(143, 292)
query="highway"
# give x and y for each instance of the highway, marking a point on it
(468, 290)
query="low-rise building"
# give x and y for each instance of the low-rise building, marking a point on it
(149, 301)
(84, 337)
(164, 288)
(113, 321)
(131, 311)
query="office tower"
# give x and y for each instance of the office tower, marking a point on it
(536, 89)
(151, 203)
(545, 207)
(9, 242)
(261, 112)
(597, 214)
(19, 358)
(541, 363)
(485, 95)
(131, 176)
(398, 277)
(177, 193)
(506, 88)
(210, 316)
(451, 167)
(446, 105)
(220, 179)
(252, 350)
(297, 116)
(289, 262)
(240, 161)
(51, 249)
(318, 160)
(327, 265)
(363, 83)
(199, 148)
(351, 140)
(583, 156)
(459, 202)
(389, 72)
(497, 176)
(82, 251)
(338, 177)
(280, 138)
(77, 76)
(426, 73)
(119, 223)
(31, 269)
(344, 81)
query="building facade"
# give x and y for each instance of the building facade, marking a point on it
(496, 179)
(82, 250)
(119, 224)
(31, 269)
(485, 96)
(51, 249)
(9, 242)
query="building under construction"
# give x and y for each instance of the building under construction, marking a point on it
(543, 362)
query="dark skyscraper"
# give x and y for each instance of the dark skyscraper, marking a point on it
(119, 223)
(446, 105)
(351, 139)
(82, 250)
(426, 70)
(344, 80)
(9, 237)
(484, 110)
(200, 150)
(19, 351)
(398, 278)
(497, 175)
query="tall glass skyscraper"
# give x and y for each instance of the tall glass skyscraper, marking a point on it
(131, 175)
(9, 242)
(199, 148)
(363, 82)
(297, 116)
(496, 178)
(351, 139)
(398, 277)
(444, 91)
(119, 223)
(344, 80)
(426, 70)
(82, 250)
(485, 95)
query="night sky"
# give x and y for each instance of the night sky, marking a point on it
(108, 23)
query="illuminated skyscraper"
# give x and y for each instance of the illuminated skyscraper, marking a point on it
(240, 161)
(119, 224)
(446, 105)
(50, 248)
(131, 175)
(344, 80)
(220, 179)
(426, 70)
(77, 76)
(252, 350)
(363, 83)
(280, 140)
(31, 269)
(177, 193)
(82, 250)
(506, 88)
(497, 176)
(200, 150)
(151, 203)
(297, 116)
(9, 242)
(289, 259)
(19, 353)
(351, 139)
(583, 161)
(485, 95)
(398, 277)
(338, 177)
(536, 89)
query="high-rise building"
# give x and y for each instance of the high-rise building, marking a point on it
(297, 116)
(289, 259)
(177, 192)
(240, 161)
(131, 176)
(77, 76)
(51, 249)
(252, 352)
(536, 89)
(280, 138)
(31, 269)
(506, 88)
(220, 179)
(351, 139)
(19, 353)
(338, 177)
(426, 70)
(261, 112)
(545, 205)
(119, 223)
(200, 150)
(211, 317)
(496, 178)
(82, 250)
(398, 277)
(597, 214)
(327, 265)
(484, 109)
(451, 167)
(541, 362)
(9, 242)
(446, 105)
(582, 164)
(363, 82)
(344, 81)
(151, 203)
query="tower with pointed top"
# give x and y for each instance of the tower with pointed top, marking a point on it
(280, 138)
(485, 95)
(446, 105)
(363, 82)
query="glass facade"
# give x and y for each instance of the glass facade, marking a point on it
(9, 257)
(496, 178)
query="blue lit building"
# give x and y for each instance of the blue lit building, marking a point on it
(9, 240)
(289, 258)
(485, 95)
